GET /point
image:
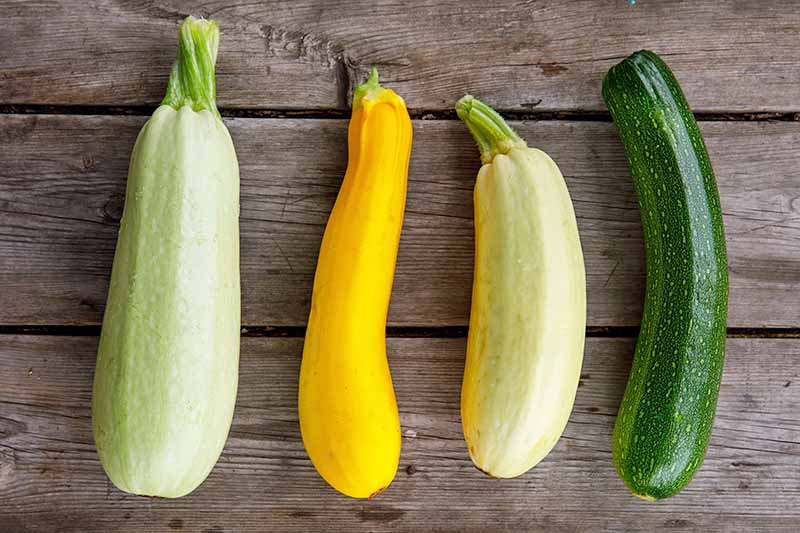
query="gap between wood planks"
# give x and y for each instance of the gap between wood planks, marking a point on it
(417, 114)
(439, 332)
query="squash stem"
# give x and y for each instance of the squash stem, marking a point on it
(192, 79)
(492, 133)
(370, 89)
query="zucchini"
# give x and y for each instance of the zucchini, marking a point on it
(528, 318)
(167, 365)
(346, 404)
(664, 422)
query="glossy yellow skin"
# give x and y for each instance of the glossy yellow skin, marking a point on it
(348, 413)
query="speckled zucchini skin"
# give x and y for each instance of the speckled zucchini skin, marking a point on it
(664, 422)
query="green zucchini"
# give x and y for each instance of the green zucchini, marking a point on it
(167, 364)
(664, 422)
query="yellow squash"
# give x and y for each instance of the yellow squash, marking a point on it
(527, 323)
(347, 408)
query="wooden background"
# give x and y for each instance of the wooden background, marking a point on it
(77, 81)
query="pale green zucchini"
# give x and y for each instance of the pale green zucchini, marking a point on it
(167, 366)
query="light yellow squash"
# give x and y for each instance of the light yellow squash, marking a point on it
(348, 413)
(528, 316)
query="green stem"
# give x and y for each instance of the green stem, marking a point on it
(192, 79)
(488, 128)
(368, 89)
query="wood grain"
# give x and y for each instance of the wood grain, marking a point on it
(62, 185)
(62, 182)
(730, 55)
(49, 472)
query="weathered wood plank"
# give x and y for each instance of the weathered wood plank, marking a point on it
(730, 55)
(49, 473)
(62, 184)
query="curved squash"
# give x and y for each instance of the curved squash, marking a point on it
(528, 317)
(666, 415)
(348, 414)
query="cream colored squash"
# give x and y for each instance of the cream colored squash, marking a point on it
(528, 316)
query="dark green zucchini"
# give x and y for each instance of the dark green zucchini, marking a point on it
(664, 422)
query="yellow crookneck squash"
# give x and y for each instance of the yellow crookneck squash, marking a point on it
(348, 413)
(527, 323)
